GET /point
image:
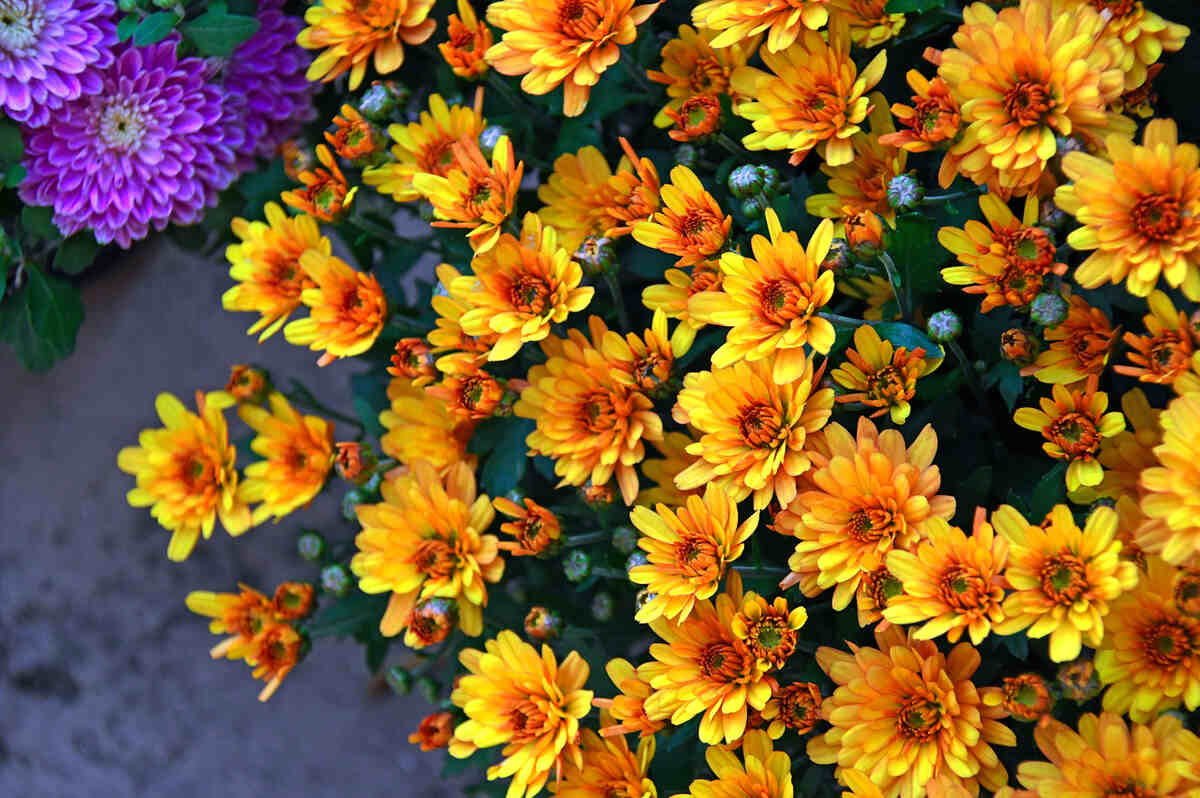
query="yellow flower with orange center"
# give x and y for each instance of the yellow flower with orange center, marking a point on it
(266, 266)
(628, 707)
(426, 539)
(632, 193)
(690, 226)
(1022, 75)
(673, 296)
(753, 430)
(662, 472)
(905, 713)
(297, 451)
(425, 146)
(1077, 348)
(932, 118)
(465, 351)
(421, 427)
(1007, 260)
(185, 472)
(862, 183)
(534, 529)
(870, 494)
(473, 194)
(242, 616)
(1140, 211)
(813, 97)
(1073, 422)
(1143, 36)
(882, 376)
(772, 301)
(768, 629)
(688, 551)
(1164, 354)
(609, 769)
(691, 66)
(870, 24)
(567, 42)
(468, 40)
(1062, 577)
(325, 194)
(739, 20)
(351, 33)
(347, 309)
(647, 359)
(762, 773)
(470, 394)
(530, 704)
(1172, 487)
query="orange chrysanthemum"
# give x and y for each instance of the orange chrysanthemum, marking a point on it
(468, 40)
(1172, 487)
(434, 731)
(298, 452)
(673, 297)
(465, 351)
(862, 184)
(768, 628)
(794, 707)
(739, 20)
(692, 66)
(648, 359)
(1143, 36)
(354, 138)
(242, 616)
(470, 394)
(882, 376)
(421, 427)
(473, 194)
(609, 769)
(534, 529)
(347, 309)
(1024, 697)
(1164, 354)
(766, 773)
(932, 118)
(325, 194)
(413, 361)
(870, 24)
(351, 33)
(632, 193)
(1073, 422)
(690, 226)
(628, 708)
(697, 117)
(1078, 347)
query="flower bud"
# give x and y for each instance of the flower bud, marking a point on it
(624, 539)
(350, 502)
(597, 496)
(1048, 310)
(602, 607)
(697, 118)
(293, 600)
(754, 207)
(1018, 346)
(430, 622)
(577, 565)
(864, 233)
(636, 559)
(428, 688)
(336, 579)
(248, 384)
(355, 462)
(399, 679)
(596, 256)
(745, 181)
(1078, 681)
(1026, 697)
(434, 731)
(687, 155)
(297, 158)
(944, 326)
(904, 192)
(838, 257)
(772, 185)
(490, 137)
(381, 99)
(310, 546)
(543, 624)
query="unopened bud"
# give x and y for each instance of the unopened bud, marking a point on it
(745, 181)
(399, 679)
(754, 207)
(624, 539)
(336, 579)
(381, 100)
(838, 257)
(944, 326)
(772, 185)
(687, 155)
(602, 607)
(596, 256)
(904, 192)
(1048, 310)
(636, 559)
(577, 565)
(248, 384)
(543, 624)
(310, 546)
(490, 137)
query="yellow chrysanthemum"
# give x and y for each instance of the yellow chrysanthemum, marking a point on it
(870, 24)
(609, 769)
(662, 471)
(868, 495)
(298, 452)
(351, 33)
(739, 20)
(1125, 455)
(266, 266)
(241, 616)
(628, 708)
(882, 376)
(690, 226)
(768, 628)
(1166, 353)
(465, 352)
(813, 97)
(904, 714)
(1078, 347)
(420, 427)
(529, 704)
(692, 66)
(185, 472)
(426, 539)
(568, 42)
(1143, 36)
(474, 195)
(673, 296)
(862, 184)
(753, 430)
(1140, 210)
(772, 301)
(688, 550)
(1073, 422)
(767, 773)
(347, 309)
(469, 39)
(1172, 487)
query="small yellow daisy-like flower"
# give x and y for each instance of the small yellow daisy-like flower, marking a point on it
(347, 309)
(673, 296)
(862, 184)
(813, 97)
(1143, 36)
(1062, 577)
(1172, 487)
(772, 301)
(298, 452)
(739, 20)
(1140, 211)
(647, 359)
(870, 24)
(692, 66)
(906, 713)
(662, 471)
(628, 708)
(1125, 455)
(882, 376)
(352, 33)
(266, 265)
(468, 39)
(766, 773)
(425, 146)
(325, 193)
(474, 195)
(690, 226)
(768, 629)
(688, 550)
(534, 528)
(1164, 354)
(465, 351)
(609, 769)
(185, 472)
(1078, 347)
(520, 287)
(421, 427)
(242, 616)
(1073, 422)
(567, 42)
(753, 430)
(530, 704)
(932, 118)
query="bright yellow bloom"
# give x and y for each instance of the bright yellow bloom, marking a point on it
(1062, 577)
(662, 472)
(1139, 210)
(1143, 36)
(1172, 487)
(473, 194)
(529, 704)
(1125, 455)
(767, 773)
(904, 713)
(185, 472)
(862, 184)
(870, 25)
(468, 40)
(1073, 423)
(1166, 353)
(768, 629)
(563, 41)
(629, 706)
(692, 67)
(753, 430)
(772, 301)
(325, 193)
(420, 427)
(882, 376)
(424, 146)
(688, 550)
(426, 539)
(266, 266)
(1078, 347)
(672, 298)
(351, 32)
(609, 770)
(298, 452)
(1022, 75)
(466, 351)
(242, 616)
(870, 494)
(347, 309)
(690, 226)
(815, 97)
(739, 20)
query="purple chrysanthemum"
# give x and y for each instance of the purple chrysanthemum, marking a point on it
(51, 52)
(147, 150)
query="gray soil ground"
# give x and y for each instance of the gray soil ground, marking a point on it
(106, 687)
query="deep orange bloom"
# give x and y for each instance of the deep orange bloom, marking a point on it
(632, 193)
(1078, 347)
(932, 118)
(347, 309)
(882, 376)
(471, 395)
(1073, 422)
(474, 194)
(468, 40)
(248, 384)
(692, 66)
(353, 137)
(795, 707)
(628, 707)
(1164, 354)
(698, 116)
(326, 195)
(276, 651)
(434, 731)
(1018, 346)
(534, 528)
(648, 359)
(739, 20)
(690, 226)
(297, 452)
(351, 32)
(413, 360)
(1025, 697)
(293, 600)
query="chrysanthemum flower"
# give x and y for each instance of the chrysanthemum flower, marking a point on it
(352, 33)
(662, 471)
(632, 193)
(1077, 348)
(573, 195)
(275, 652)
(870, 24)
(869, 495)
(647, 359)
(1025, 697)
(753, 430)
(1007, 260)
(609, 769)
(241, 616)
(767, 773)
(863, 231)
(882, 376)
(1143, 36)
(185, 472)
(136, 154)
(1022, 75)
(293, 600)
(794, 707)
(690, 226)
(1062, 577)
(739, 20)
(347, 309)
(429, 622)
(672, 298)
(1164, 354)
(466, 351)
(768, 629)
(772, 301)
(1187, 591)
(266, 265)
(353, 138)
(413, 361)
(691, 66)
(629, 706)
(688, 550)
(425, 540)
(248, 384)
(520, 287)
(1073, 422)
(473, 194)
(534, 528)
(1140, 210)
(904, 713)
(1172, 488)
(932, 118)
(563, 41)
(297, 452)
(530, 704)
(325, 193)
(468, 40)
(877, 588)
(434, 731)
(470, 394)
(862, 184)
(696, 118)
(421, 427)
(813, 97)
(424, 146)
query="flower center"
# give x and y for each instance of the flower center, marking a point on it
(1075, 434)
(1166, 643)
(780, 301)
(20, 23)
(1130, 789)
(1157, 216)
(1064, 579)
(1114, 8)
(964, 590)
(887, 384)
(1027, 103)
(597, 412)
(708, 76)
(761, 426)
(798, 707)
(698, 557)
(578, 19)
(437, 156)
(528, 294)
(919, 719)
(1020, 284)
(721, 662)
(527, 722)
(771, 639)
(1169, 353)
(696, 223)
(122, 125)
(881, 586)
(1187, 592)
(434, 558)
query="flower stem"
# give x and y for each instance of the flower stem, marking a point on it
(635, 72)
(371, 228)
(845, 321)
(900, 291)
(302, 396)
(969, 192)
(968, 371)
(610, 573)
(729, 144)
(496, 82)
(615, 289)
(586, 539)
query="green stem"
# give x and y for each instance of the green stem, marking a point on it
(496, 82)
(845, 321)
(761, 570)
(586, 539)
(889, 266)
(371, 228)
(635, 72)
(969, 192)
(731, 146)
(615, 289)
(302, 396)
(610, 573)
(969, 373)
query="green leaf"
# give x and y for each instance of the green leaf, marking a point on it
(575, 134)
(913, 245)
(16, 327)
(76, 253)
(350, 614)
(506, 464)
(1017, 645)
(911, 6)
(219, 34)
(974, 491)
(369, 397)
(154, 28)
(14, 175)
(55, 309)
(646, 263)
(1006, 377)
(1050, 490)
(11, 145)
(126, 27)
(901, 334)
(38, 221)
